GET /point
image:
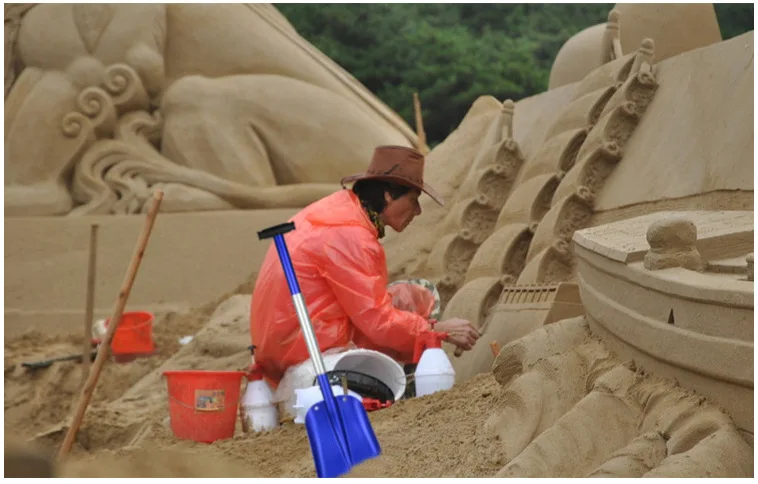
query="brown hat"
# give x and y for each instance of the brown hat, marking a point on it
(399, 164)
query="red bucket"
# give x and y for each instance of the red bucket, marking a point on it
(134, 336)
(203, 404)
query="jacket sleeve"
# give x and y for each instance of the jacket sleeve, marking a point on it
(355, 268)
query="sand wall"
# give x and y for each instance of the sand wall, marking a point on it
(190, 259)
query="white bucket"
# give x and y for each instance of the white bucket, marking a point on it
(368, 362)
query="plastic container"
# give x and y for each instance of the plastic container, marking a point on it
(134, 336)
(258, 403)
(368, 362)
(434, 372)
(202, 405)
(307, 397)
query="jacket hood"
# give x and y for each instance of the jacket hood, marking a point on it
(340, 209)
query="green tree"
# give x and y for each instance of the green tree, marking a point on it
(453, 53)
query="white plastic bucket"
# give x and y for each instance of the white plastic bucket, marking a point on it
(368, 362)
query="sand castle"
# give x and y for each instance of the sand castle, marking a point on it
(601, 232)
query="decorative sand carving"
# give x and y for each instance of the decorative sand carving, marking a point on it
(127, 112)
(582, 113)
(517, 311)
(597, 158)
(667, 319)
(558, 154)
(673, 244)
(502, 254)
(530, 201)
(473, 300)
(471, 221)
(451, 159)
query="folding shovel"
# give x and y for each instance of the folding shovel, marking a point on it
(339, 430)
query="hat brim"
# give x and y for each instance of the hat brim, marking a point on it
(400, 181)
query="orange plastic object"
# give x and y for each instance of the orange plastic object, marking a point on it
(203, 404)
(426, 340)
(134, 336)
(372, 404)
(342, 272)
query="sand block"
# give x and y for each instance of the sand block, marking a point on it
(720, 233)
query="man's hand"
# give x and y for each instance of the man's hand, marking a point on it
(460, 332)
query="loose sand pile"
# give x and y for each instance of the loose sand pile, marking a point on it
(36, 400)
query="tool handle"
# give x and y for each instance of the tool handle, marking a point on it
(36, 365)
(90, 302)
(277, 232)
(115, 319)
(280, 229)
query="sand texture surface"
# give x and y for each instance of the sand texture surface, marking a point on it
(535, 416)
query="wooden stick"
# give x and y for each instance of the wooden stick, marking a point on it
(495, 347)
(90, 308)
(419, 124)
(115, 318)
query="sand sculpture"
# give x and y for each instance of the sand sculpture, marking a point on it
(593, 231)
(116, 99)
(557, 189)
(677, 28)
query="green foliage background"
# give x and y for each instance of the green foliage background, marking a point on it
(453, 53)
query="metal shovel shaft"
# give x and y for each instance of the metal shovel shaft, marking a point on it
(300, 307)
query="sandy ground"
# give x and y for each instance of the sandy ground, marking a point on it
(559, 406)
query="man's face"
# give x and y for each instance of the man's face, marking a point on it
(399, 212)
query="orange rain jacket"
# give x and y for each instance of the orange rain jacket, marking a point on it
(342, 271)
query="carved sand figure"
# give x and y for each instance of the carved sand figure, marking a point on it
(609, 252)
(120, 98)
(481, 196)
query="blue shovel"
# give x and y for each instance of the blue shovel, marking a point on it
(339, 430)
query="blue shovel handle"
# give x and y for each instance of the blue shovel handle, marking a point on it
(277, 233)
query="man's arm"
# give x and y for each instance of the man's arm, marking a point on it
(355, 268)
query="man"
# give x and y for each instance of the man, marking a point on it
(342, 271)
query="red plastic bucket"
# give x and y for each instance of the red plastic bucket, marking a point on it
(203, 404)
(134, 336)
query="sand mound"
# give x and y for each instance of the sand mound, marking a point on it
(38, 400)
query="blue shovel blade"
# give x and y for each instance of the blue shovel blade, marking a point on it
(353, 423)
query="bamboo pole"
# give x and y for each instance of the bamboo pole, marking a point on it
(115, 318)
(90, 304)
(419, 125)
